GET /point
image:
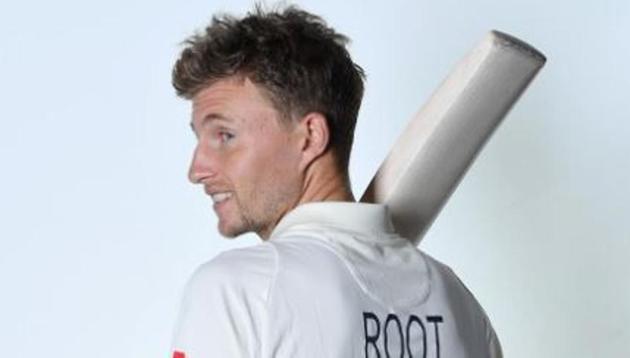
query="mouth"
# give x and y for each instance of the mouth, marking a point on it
(220, 198)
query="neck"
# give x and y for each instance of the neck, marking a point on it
(328, 188)
(323, 182)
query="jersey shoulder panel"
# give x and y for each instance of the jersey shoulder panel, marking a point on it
(465, 304)
(223, 311)
(250, 269)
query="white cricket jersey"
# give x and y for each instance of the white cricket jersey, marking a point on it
(333, 280)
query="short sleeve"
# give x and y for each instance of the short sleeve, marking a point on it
(494, 345)
(224, 305)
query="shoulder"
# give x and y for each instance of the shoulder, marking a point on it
(247, 270)
(447, 283)
(466, 304)
(305, 250)
(224, 303)
(445, 275)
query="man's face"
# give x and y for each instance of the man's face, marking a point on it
(246, 158)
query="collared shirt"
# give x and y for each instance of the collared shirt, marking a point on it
(333, 280)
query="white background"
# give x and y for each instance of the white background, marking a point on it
(99, 228)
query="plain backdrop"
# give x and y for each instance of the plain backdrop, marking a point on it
(99, 228)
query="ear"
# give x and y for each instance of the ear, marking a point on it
(315, 137)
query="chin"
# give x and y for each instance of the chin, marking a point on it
(231, 232)
(228, 234)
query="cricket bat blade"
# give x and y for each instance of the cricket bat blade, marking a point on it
(441, 141)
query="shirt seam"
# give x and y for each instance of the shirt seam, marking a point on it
(272, 283)
(358, 278)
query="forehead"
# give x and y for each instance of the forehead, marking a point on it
(235, 99)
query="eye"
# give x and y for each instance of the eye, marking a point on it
(225, 136)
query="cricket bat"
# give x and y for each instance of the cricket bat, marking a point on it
(442, 140)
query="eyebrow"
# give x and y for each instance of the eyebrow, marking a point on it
(210, 117)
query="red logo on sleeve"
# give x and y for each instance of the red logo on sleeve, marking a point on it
(178, 354)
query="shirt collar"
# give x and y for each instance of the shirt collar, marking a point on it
(359, 217)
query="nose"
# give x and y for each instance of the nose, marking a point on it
(201, 166)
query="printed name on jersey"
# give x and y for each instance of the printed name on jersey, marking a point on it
(395, 329)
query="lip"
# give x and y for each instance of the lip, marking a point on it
(217, 206)
(210, 190)
(213, 190)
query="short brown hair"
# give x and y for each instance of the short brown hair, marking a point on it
(300, 62)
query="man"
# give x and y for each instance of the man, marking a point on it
(275, 96)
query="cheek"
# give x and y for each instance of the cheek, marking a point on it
(268, 168)
(285, 160)
(245, 168)
(264, 161)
